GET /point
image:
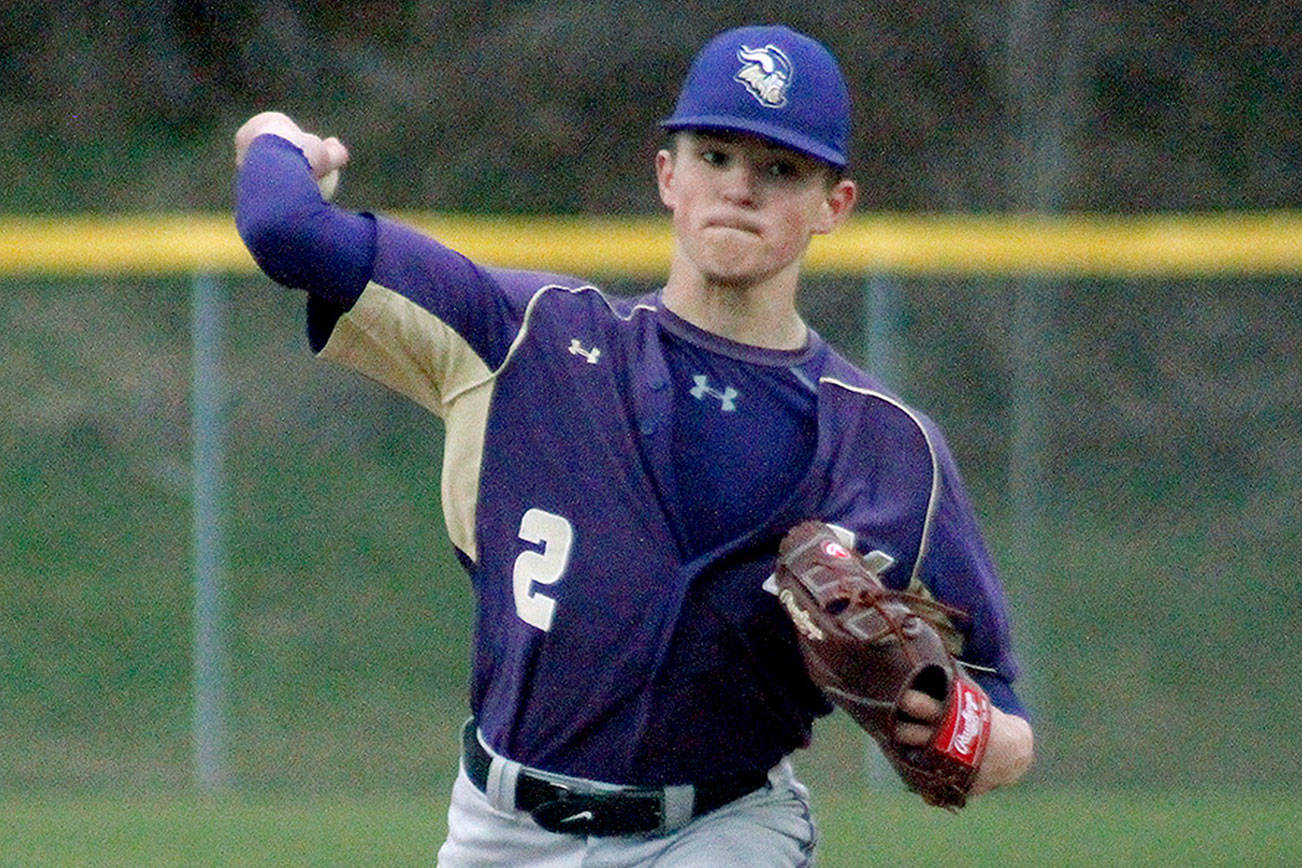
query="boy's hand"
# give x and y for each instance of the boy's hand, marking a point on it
(325, 156)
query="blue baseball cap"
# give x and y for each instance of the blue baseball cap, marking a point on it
(773, 82)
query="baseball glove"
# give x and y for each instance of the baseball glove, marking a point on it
(864, 645)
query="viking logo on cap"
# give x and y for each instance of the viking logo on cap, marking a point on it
(766, 72)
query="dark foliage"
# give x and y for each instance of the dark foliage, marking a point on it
(552, 107)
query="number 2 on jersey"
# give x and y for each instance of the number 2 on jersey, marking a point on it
(556, 536)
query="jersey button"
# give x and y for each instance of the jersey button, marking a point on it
(648, 427)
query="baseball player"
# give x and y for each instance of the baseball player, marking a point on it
(618, 473)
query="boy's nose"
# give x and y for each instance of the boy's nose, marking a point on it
(740, 183)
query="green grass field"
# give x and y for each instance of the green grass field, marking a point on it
(348, 619)
(1026, 827)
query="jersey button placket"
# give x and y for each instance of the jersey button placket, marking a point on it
(657, 404)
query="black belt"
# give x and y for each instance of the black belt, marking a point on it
(565, 805)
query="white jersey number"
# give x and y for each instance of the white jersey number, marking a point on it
(556, 536)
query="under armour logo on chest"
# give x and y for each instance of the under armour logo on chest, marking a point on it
(591, 355)
(727, 398)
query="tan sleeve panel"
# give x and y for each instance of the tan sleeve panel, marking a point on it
(404, 347)
(399, 344)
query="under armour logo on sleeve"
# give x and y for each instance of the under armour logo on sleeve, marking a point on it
(727, 398)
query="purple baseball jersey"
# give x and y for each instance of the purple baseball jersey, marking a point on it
(615, 482)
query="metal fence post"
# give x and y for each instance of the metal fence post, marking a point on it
(882, 331)
(883, 328)
(208, 421)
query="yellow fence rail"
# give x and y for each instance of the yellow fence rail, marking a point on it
(1184, 245)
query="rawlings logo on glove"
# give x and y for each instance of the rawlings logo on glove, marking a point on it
(963, 734)
(865, 645)
(801, 618)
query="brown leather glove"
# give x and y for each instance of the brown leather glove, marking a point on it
(864, 645)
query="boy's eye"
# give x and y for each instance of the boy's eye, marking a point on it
(788, 170)
(714, 157)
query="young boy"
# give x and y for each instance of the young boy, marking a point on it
(618, 472)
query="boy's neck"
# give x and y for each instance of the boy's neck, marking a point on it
(753, 315)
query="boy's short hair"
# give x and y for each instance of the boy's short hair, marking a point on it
(832, 174)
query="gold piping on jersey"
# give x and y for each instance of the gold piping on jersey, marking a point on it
(934, 499)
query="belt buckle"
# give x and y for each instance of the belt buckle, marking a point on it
(628, 812)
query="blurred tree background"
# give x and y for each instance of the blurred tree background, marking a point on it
(551, 106)
(1173, 461)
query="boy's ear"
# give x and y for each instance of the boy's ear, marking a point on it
(665, 176)
(836, 206)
